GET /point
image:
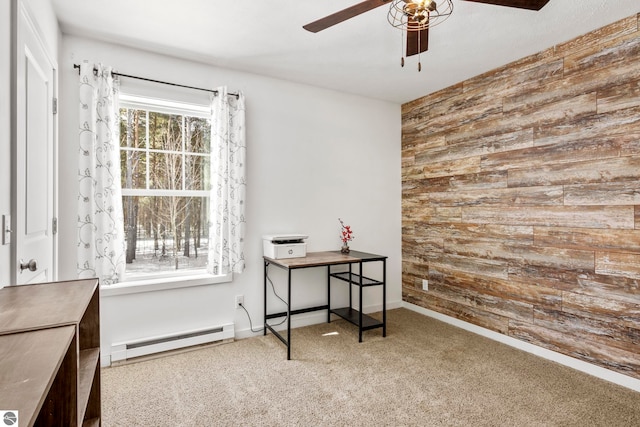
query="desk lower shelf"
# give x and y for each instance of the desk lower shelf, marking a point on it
(353, 316)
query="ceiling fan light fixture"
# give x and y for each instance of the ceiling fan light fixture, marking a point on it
(414, 18)
(427, 13)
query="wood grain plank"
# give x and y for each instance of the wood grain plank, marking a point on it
(550, 114)
(413, 114)
(597, 80)
(637, 217)
(546, 92)
(599, 36)
(550, 277)
(412, 173)
(543, 195)
(435, 214)
(462, 166)
(602, 330)
(413, 273)
(457, 148)
(617, 315)
(578, 346)
(517, 254)
(614, 287)
(615, 123)
(479, 266)
(603, 194)
(552, 216)
(618, 264)
(474, 181)
(415, 107)
(460, 110)
(502, 78)
(562, 110)
(562, 151)
(420, 249)
(588, 239)
(470, 297)
(472, 315)
(416, 268)
(417, 142)
(580, 172)
(630, 146)
(521, 234)
(626, 95)
(509, 289)
(611, 54)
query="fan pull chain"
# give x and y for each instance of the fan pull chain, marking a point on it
(419, 52)
(402, 48)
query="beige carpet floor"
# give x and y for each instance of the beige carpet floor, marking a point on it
(424, 373)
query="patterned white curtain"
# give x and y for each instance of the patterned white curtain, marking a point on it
(100, 218)
(228, 184)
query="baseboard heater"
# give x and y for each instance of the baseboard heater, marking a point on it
(143, 347)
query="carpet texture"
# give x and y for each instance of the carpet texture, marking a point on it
(424, 373)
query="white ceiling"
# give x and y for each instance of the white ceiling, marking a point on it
(360, 56)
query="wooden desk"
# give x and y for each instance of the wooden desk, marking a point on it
(329, 259)
(35, 365)
(50, 353)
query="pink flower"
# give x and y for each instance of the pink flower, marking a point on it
(347, 233)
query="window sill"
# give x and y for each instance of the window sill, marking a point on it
(162, 284)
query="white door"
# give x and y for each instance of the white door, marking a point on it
(34, 160)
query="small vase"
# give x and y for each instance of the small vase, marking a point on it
(345, 249)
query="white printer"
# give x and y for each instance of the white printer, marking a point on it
(278, 246)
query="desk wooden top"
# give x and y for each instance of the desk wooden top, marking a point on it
(28, 365)
(43, 305)
(317, 259)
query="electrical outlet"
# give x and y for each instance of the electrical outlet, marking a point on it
(425, 285)
(239, 300)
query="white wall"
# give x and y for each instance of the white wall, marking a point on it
(313, 155)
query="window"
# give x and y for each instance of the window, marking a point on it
(164, 156)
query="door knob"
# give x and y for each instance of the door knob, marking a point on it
(32, 265)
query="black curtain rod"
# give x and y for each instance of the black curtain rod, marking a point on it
(114, 73)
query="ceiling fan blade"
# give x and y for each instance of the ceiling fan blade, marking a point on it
(521, 4)
(417, 41)
(343, 15)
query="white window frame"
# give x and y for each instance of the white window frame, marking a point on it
(166, 280)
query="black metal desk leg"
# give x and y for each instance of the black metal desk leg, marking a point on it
(328, 294)
(266, 264)
(384, 297)
(350, 288)
(360, 306)
(289, 315)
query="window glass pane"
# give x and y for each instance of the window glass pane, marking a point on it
(134, 169)
(165, 234)
(161, 151)
(165, 131)
(133, 126)
(165, 171)
(198, 172)
(198, 134)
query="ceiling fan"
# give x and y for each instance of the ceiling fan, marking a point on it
(416, 16)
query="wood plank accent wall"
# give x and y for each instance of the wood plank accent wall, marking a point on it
(521, 199)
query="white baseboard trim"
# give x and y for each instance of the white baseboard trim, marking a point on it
(562, 359)
(307, 319)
